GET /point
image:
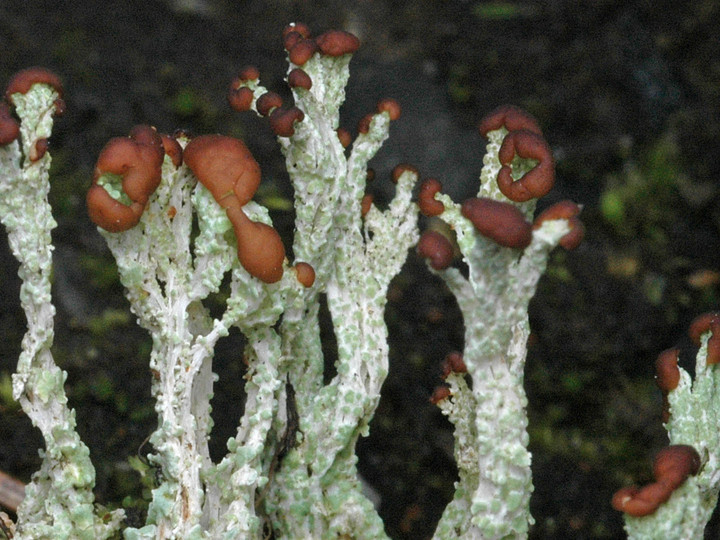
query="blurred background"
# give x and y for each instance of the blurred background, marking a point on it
(627, 93)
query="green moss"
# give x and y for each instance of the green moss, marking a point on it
(496, 10)
(612, 207)
(108, 320)
(186, 102)
(644, 199)
(7, 402)
(102, 271)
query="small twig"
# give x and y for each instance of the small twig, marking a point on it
(12, 492)
(6, 531)
(288, 441)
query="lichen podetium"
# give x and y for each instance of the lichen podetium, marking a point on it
(181, 231)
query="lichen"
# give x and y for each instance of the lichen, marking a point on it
(694, 407)
(290, 471)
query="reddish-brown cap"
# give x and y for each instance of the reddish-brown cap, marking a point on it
(500, 221)
(390, 106)
(569, 211)
(667, 377)
(173, 149)
(366, 204)
(666, 370)
(149, 146)
(298, 27)
(225, 166)
(248, 73)
(9, 128)
(118, 156)
(453, 363)
(138, 160)
(426, 198)
(302, 51)
(400, 169)
(227, 169)
(148, 139)
(674, 463)
(268, 102)
(305, 274)
(291, 39)
(701, 324)
(344, 136)
(560, 210)
(511, 117)
(298, 78)
(282, 121)
(259, 247)
(337, 43)
(364, 123)
(440, 393)
(638, 502)
(240, 99)
(671, 468)
(23, 80)
(539, 180)
(60, 107)
(38, 149)
(437, 248)
(110, 214)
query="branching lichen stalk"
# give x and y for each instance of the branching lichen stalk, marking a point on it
(694, 407)
(178, 217)
(492, 496)
(59, 499)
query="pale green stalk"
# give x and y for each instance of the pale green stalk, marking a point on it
(492, 496)
(58, 501)
(694, 421)
(290, 468)
(316, 492)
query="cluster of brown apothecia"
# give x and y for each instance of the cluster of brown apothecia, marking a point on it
(500, 221)
(222, 164)
(674, 463)
(20, 83)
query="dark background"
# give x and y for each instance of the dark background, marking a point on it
(627, 93)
